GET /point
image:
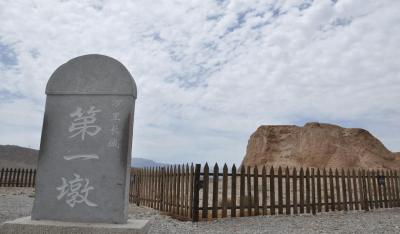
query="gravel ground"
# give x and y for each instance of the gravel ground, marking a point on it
(17, 202)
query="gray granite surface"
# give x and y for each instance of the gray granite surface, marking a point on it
(85, 150)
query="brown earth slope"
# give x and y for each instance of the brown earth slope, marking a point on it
(317, 145)
(12, 156)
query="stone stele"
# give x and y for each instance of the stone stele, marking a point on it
(85, 149)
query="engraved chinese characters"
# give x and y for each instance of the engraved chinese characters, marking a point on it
(84, 158)
(76, 191)
(84, 123)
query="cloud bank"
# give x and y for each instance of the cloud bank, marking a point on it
(210, 72)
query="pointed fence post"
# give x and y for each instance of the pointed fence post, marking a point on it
(224, 190)
(313, 192)
(319, 191)
(308, 191)
(249, 194)
(256, 198)
(325, 183)
(301, 186)
(204, 213)
(264, 190)
(287, 191)
(280, 192)
(162, 189)
(233, 192)
(355, 189)
(196, 193)
(344, 190)
(272, 190)
(242, 190)
(295, 208)
(214, 213)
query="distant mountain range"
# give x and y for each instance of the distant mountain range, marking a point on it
(13, 156)
(142, 162)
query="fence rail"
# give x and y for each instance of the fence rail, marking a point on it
(198, 193)
(17, 177)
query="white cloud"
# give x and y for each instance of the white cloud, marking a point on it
(210, 72)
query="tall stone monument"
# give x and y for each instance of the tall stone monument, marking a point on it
(85, 150)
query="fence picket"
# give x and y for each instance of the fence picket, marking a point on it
(319, 191)
(344, 190)
(255, 184)
(242, 190)
(145, 187)
(148, 186)
(233, 192)
(361, 189)
(196, 193)
(151, 186)
(272, 190)
(16, 181)
(12, 177)
(325, 182)
(370, 190)
(3, 182)
(249, 194)
(154, 186)
(380, 190)
(204, 214)
(168, 192)
(160, 188)
(308, 191)
(26, 178)
(287, 191)
(365, 192)
(301, 190)
(215, 192)
(183, 198)
(313, 192)
(392, 182)
(338, 195)
(264, 190)
(280, 192)
(2, 176)
(21, 180)
(389, 188)
(384, 188)
(178, 191)
(295, 208)
(187, 184)
(224, 190)
(332, 190)
(173, 189)
(373, 192)
(349, 190)
(355, 190)
(191, 191)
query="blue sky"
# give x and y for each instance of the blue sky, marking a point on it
(210, 72)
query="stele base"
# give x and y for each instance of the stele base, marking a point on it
(26, 225)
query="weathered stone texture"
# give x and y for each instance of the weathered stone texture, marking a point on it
(317, 145)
